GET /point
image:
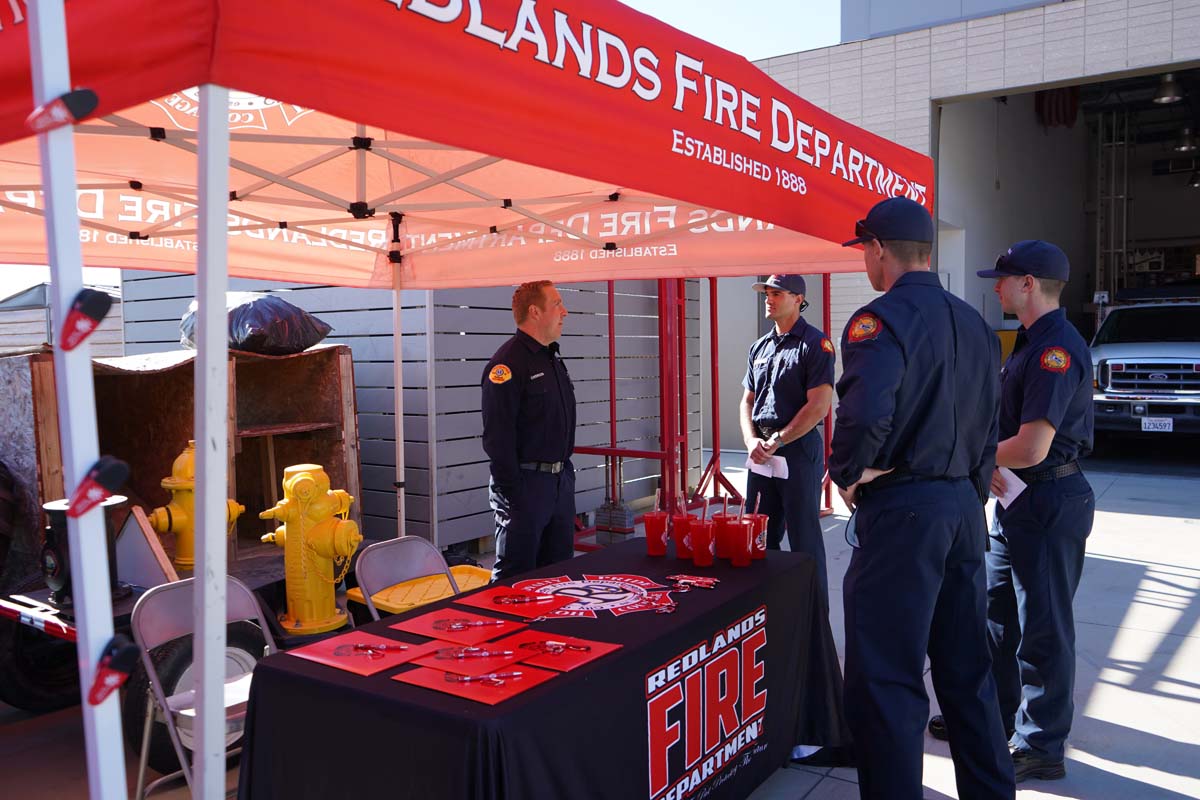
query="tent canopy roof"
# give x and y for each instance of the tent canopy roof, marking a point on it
(488, 142)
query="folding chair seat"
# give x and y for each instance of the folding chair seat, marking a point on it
(387, 564)
(165, 614)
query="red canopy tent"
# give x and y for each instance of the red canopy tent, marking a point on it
(493, 141)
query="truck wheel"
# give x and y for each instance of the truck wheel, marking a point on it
(244, 646)
(37, 671)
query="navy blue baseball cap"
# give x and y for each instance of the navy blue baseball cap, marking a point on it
(788, 283)
(1031, 257)
(896, 219)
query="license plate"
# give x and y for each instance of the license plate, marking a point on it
(1162, 424)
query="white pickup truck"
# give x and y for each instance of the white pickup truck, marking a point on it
(1146, 361)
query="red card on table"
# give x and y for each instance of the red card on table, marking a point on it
(456, 625)
(521, 603)
(532, 645)
(445, 657)
(340, 652)
(479, 692)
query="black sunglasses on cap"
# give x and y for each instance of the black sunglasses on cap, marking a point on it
(861, 231)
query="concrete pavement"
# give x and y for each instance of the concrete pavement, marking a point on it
(1137, 691)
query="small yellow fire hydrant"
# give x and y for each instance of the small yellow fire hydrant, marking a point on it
(312, 536)
(179, 515)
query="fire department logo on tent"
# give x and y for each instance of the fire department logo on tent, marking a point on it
(620, 594)
(246, 111)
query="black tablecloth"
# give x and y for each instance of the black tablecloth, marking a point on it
(319, 732)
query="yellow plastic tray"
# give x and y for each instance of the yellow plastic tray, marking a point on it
(420, 591)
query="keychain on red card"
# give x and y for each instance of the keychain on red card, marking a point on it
(117, 661)
(103, 480)
(369, 649)
(517, 599)
(490, 679)
(460, 653)
(87, 312)
(462, 624)
(551, 647)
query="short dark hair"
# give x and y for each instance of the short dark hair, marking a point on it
(1051, 289)
(909, 252)
(526, 295)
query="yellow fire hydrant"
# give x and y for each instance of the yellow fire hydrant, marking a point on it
(312, 536)
(179, 515)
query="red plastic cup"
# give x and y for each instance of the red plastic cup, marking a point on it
(701, 532)
(758, 547)
(656, 532)
(721, 533)
(741, 534)
(680, 524)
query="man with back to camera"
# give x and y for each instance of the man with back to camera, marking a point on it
(529, 435)
(789, 388)
(1038, 540)
(913, 452)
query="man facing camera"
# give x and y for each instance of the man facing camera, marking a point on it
(789, 388)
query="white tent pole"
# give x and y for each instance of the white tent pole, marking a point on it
(75, 395)
(212, 434)
(398, 380)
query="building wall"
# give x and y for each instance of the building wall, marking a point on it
(868, 19)
(27, 327)
(891, 85)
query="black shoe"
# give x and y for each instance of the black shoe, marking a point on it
(1028, 764)
(937, 728)
(829, 757)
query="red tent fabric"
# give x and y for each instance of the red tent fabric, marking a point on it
(510, 139)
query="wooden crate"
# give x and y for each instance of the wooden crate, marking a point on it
(282, 410)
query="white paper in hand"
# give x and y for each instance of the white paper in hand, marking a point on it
(1013, 487)
(776, 467)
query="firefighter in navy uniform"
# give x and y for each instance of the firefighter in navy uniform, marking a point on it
(529, 435)
(1038, 541)
(789, 388)
(913, 452)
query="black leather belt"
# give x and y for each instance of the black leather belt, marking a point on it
(765, 432)
(553, 467)
(1049, 473)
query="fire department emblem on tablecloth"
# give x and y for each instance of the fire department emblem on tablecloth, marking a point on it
(619, 594)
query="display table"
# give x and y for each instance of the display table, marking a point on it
(705, 701)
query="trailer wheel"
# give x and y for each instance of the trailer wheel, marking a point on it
(37, 671)
(244, 646)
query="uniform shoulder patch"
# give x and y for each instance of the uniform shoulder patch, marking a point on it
(500, 374)
(863, 327)
(1055, 359)
(827, 346)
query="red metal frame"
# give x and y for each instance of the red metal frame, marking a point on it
(672, 326)
(827, 315)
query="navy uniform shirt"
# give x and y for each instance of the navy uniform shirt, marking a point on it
(920, 387)
(781, 370)
(1049, 376)
(528, 408)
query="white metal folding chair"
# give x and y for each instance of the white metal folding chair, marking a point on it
(387, 563)
(163, 614)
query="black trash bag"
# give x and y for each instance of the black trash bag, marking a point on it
(261, 323)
